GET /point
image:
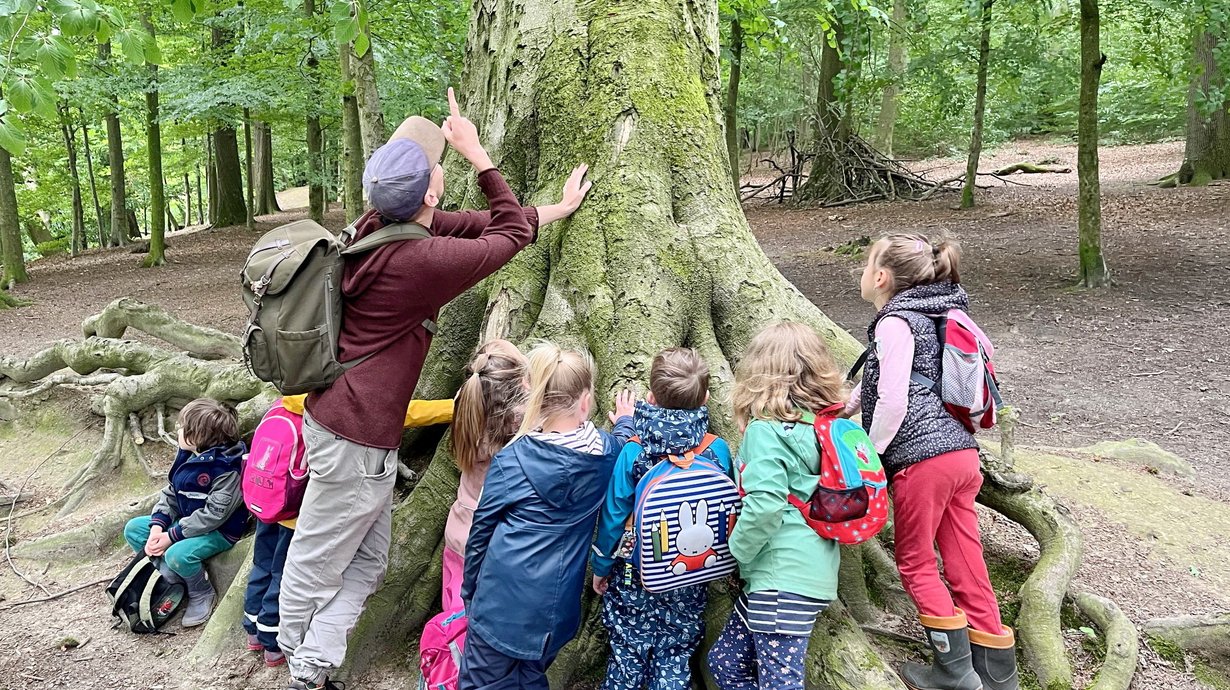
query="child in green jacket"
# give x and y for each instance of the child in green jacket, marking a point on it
(790, 572)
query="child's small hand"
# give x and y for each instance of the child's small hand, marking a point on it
(157, 545)
(601, 583)
(625, 403)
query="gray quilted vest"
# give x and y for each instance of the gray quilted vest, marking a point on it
(928, 429)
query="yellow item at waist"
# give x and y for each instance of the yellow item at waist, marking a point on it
(418, 412)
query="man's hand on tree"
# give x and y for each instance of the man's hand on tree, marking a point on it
(462, 135)
(574, 193)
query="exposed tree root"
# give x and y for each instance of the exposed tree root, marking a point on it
(1122, 645)
(1206, 636)
(124, 313)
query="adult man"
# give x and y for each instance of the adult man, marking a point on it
(352, 429)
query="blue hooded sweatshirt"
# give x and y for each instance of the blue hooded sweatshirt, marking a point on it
(525, 558)
(203, 495)
(661, 432)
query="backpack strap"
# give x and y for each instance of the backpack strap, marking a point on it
(685, 461)
(395, 232)
(859, 364)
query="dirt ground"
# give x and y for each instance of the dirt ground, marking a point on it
(1142, 359)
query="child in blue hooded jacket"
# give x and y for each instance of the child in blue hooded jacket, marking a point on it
(525, 557)
(653, 635)
(200, 513)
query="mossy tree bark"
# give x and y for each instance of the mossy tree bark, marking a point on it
(980, 107)
(115, 159)
(352, 139)
(1093, 269)
(826, 179)
(153, 147)
(897, 60)
(315, 141)
(11, 258)
(1206, 156)
(732, 96)
(228, 174)
(367, 98)
(266, 193)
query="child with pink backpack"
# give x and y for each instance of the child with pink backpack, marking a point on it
(927, 386)
(275, 476)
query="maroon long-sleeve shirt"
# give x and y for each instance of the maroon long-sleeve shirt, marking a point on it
(388, 292)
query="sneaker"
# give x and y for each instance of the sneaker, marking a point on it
(254, 644)
(296, 684)
(274, 658)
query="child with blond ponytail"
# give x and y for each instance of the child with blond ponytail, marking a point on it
(486, 416)
(932, 463)
(526, 552)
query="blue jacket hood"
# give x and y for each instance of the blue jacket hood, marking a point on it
(558, 475)
(669, 432)
(231, 456)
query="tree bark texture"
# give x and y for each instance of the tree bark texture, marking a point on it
(11, 256)
(732, 97)
(266, 190)
(315, 143)
(897, 60)
(370, 114)
(980, 107)
(248, 169)
(826, 177)
(89, 167)
(115, 159)
(211, 179)
(1206, 156)
(227, 170)
(157, 191)
(352, 156)
(1093, 269)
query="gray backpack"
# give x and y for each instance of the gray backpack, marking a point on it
(293, 288)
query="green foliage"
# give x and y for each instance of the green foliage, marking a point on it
(53, 247)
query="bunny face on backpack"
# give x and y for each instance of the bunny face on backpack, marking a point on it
(694, 542)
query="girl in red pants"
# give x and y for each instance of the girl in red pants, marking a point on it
(932, 463)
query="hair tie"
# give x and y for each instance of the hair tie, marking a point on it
(918, 245)
(935, 251)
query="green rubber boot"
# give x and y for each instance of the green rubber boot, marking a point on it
(952, 668)
(995, 659)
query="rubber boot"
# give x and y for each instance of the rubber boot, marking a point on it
(200, 599)
(995, 659)
(167, 574)
(953, 667)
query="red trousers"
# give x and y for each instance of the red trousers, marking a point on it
(933, 504)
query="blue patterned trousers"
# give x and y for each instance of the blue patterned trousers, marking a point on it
(744, 660)
(652, 635)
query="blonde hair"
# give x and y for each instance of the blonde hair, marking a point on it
(558, 379)
(208, 423)
(786, 368)
(679, 379)
(488, 407)
(913, 259)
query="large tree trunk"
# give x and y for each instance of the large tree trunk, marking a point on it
(352, 140)
(89, 167)
(266, 192)
(78, 242)
(1207, 154)
(732, 97)
(980, 107)
(1094, 272)
(897, 38)
(370, 114)
(115, 159)
(249, 220)
(827, 176)
(228, 173)
(157, 190)
(11, 257)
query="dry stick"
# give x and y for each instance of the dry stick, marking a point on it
(57, 595)
(8, 528)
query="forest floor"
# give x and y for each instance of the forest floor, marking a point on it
(1142, 359)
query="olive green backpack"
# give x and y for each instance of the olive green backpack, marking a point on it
(292, 284)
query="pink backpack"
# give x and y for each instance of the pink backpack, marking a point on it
(275, 474)
(440, 650)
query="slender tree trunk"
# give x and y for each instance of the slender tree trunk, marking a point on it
(157, 187)
(200, 201)
(352, 157)
(315, 152)
(70, 145)
(89, 165)
(1206, 156)
(370, 114)
(266, 192)
(732, 97)
(115, 159)
(897, 58)
(1094, 272)
(980, 107)
(12, 259)
(183, 146)
(247, 149)
(211, 178)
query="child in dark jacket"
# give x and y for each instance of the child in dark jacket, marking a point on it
(201, 512)
(653, 635)
(525, 558)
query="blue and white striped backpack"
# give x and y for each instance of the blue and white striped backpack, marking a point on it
(685, 509)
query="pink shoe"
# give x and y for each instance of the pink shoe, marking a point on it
(273, 659)
(254, 645)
